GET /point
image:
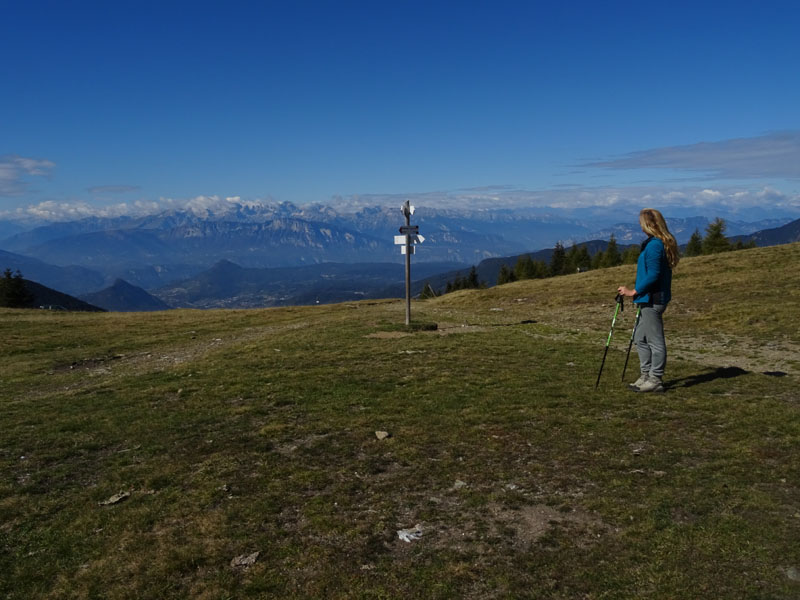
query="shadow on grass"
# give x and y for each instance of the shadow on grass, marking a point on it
(718, 373)
(525, 322)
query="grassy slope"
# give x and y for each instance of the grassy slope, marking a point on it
(244, 431)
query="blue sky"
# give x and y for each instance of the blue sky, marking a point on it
(119, 105)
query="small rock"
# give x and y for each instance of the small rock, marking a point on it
(792, 573)
(459, 484)
(409, 535)
(116, 498)
(245, 561)
(382, 435)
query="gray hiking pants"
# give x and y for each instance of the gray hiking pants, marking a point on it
(650, 343)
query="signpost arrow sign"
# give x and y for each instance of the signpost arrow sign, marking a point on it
(409, 229)
(407, 209)
(412, 239)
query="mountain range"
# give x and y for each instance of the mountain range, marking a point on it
(267, 255)
(785, 234)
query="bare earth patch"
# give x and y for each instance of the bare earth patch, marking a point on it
(147, 362)
(735, 351)
(388, 335)
(442, 329)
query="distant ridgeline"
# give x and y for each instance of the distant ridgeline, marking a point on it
(17, 292)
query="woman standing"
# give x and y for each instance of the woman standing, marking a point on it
(652, 293)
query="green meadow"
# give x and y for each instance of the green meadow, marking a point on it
(233, 453)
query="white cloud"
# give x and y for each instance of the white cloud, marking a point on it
(710, 195)
(577, 202)
(16, 170)
(774, 155)
(203, 206)
(64, 211)
(728, 202)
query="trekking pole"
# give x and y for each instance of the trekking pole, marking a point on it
(619, 307)
(630, 344)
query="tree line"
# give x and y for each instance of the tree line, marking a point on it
(13, 291)
(715, 241)
(577, 259)
(562, 262)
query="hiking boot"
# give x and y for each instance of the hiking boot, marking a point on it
(651, 384)
(639, 382)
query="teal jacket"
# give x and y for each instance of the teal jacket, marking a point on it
(653, 274)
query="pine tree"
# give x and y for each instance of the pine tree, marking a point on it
(540, 270)
(715, 240)
(571, 260)
(13, 292)
(472, 278)
(597, 259)
(583, 261)
(524, 269)
(695, 245)
(465, 283)
(506, 275)
(456, 284)
(611, 257)
(558, 261)
(427, 292)
(740, 245)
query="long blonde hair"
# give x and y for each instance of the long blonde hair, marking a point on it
(653, 223)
